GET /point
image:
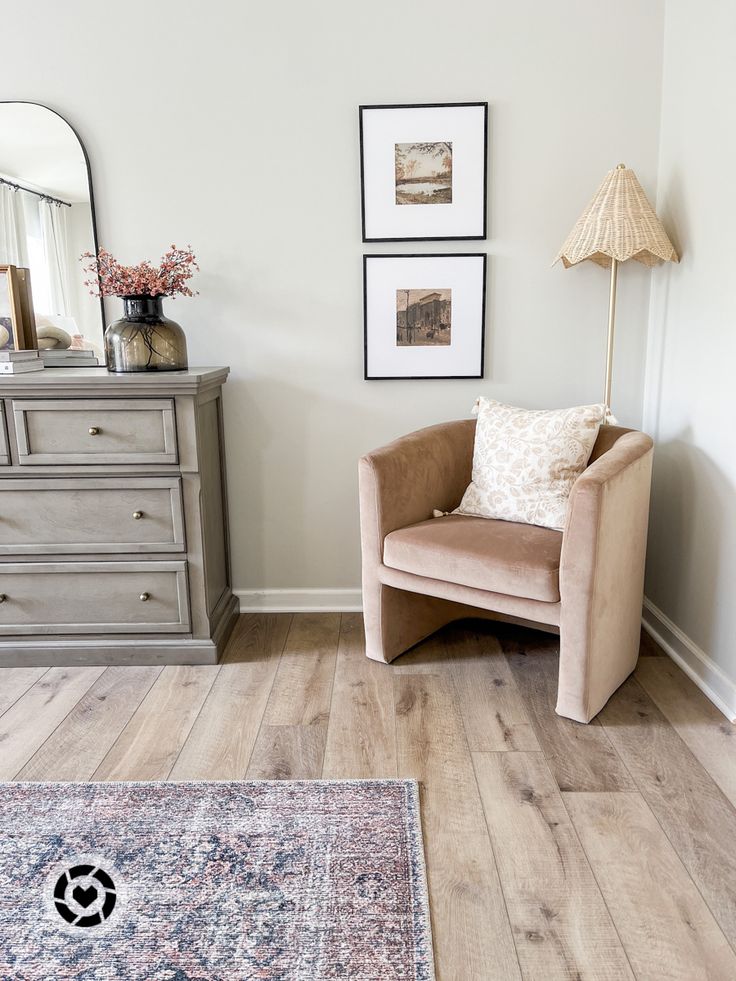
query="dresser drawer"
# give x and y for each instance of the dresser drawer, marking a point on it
(93, 597)
(82, 514)
(95, 431)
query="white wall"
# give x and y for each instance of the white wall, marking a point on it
(691, 575)
(234, 127)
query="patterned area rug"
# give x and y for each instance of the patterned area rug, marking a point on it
(280, 881)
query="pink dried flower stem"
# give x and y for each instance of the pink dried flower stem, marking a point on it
(169, 278)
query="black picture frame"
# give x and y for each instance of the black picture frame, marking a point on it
(424, 255)
(424, 238)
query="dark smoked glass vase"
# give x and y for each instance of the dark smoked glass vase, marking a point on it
(144, 339)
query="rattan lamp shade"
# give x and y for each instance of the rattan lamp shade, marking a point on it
(619, 223)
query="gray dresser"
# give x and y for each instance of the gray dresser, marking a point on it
(113, 518)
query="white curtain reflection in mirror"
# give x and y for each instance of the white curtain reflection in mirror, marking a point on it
(12, 245)
(56, 257)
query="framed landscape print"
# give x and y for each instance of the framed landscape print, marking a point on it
(423, 171)
(424, 315)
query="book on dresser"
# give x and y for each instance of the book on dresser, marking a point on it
(18, 362)
(68, 357)
(8, 354)
(114, 538)
(20, 367)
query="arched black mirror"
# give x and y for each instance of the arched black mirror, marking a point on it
(47, 220)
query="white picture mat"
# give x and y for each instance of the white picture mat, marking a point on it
(464, 275)
(464, 127)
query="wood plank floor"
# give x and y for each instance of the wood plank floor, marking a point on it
(554, 850)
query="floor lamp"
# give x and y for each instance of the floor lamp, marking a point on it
(618, 224)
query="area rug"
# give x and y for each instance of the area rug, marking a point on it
(275, 881)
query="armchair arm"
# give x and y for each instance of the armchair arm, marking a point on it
(602, 575)
(403, 482)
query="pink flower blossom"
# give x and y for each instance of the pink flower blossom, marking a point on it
(110, 278)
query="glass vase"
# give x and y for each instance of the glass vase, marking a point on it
(144, 339)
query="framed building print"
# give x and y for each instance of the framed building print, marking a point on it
(424, 315)
(423, 171)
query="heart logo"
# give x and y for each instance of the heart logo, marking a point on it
(81, 886)
(85, 897)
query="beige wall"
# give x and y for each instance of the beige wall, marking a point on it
(234, 126)
(691, 363)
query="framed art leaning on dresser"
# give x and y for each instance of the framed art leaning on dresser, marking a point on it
(113, 537)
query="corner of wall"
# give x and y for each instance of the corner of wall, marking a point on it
(696, 664)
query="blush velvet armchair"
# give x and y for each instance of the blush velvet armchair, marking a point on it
(585, 583)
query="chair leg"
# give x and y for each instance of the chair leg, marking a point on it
(396, 619)
(593, 666)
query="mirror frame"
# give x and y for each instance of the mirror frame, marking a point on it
(93, 211)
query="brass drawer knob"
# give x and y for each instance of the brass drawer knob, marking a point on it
(3, 597)
(94, 430)
(137, 515)
(144, 597)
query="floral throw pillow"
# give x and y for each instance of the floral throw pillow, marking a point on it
(525, 461)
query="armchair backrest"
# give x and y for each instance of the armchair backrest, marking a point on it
(607, 436)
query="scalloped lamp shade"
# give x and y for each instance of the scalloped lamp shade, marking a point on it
(619, 223)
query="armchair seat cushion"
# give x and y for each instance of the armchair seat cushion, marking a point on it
(483, 553)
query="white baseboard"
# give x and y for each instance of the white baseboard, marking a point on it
(696, 664)
(299, 600)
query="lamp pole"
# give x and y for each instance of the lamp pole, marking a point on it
(611, 322)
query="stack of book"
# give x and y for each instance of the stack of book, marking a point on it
(68, 358)
(16, 362)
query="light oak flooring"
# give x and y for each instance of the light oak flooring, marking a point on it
(554, 850)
